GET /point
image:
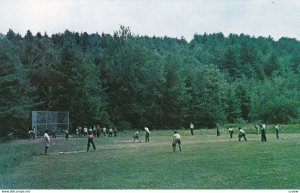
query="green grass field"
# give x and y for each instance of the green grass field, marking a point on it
(206, 162)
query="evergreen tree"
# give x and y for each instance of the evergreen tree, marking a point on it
(231, 62)
(208, 96)
(15, 90)
(233, 106)
(244, 99)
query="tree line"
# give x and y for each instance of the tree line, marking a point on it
(132, 81)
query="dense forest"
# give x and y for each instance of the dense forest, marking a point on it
(131, 81)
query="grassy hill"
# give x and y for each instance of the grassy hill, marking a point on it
(206, 162)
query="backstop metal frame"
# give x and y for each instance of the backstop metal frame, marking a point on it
(53, 121)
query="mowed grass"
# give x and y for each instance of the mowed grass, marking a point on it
(206, 162)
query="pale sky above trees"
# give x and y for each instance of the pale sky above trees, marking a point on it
(173, 18)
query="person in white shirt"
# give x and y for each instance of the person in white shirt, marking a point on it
(263, 133)
(176, 140)
(104, 131)
(110, 132)
(47, 141)
(192, 128)
(85, 130)
(67, 134)
(242, 134)
(230, 130)
(147, 134)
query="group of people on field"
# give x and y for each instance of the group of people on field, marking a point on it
(91, 134)
(176, 138)
(95, 131)
(242, 133)
(261, 127)
(147, 135)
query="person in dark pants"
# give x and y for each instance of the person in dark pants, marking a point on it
(230, 130)
(147, 135)
(47, 141)
(67, 133)
(90, 141)
(263, 133)
(110, 132)
(218, 132)
(98, 131)
(277, 131)
(176, 140)
(192, 128)
(242, 134)
(32, 133)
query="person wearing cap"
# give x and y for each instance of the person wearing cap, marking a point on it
(176, 140)
(147, 135)
(242, 134)
(47, 141)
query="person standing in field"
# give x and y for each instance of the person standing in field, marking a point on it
(90, 141)
(110, 132)
(77, 132)
(90, 130)
(277, 131)
(230, 130)
(85, 130)
(147, 135)
(218, 131)
(67, 134)
(94, 130)
(98, 131)
(33, 133)
(80, 131)
(242, 134)
(136, 136)
(176, 140)
(47, 141)
(192, 128)
(263, 132)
